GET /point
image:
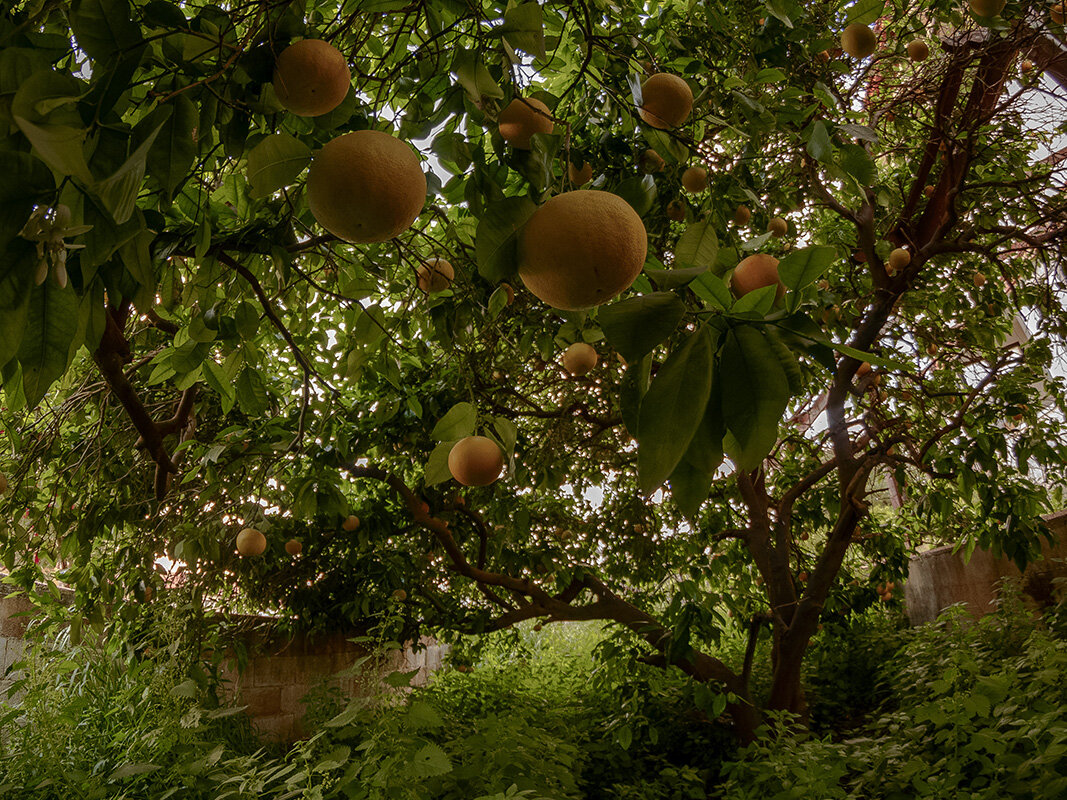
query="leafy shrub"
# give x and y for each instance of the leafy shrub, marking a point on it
(975, 711)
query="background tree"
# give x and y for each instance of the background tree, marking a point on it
(187, 353)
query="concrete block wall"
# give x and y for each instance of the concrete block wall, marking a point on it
(939, 578)
(13, 622)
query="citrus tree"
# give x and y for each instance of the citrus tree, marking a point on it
(717, 309)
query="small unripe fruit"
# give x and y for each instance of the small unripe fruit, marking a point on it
(1058, 12)
(777, 227)
(579, 358)
(475, 461)
(351, 523)
(978, 279)
(863, 369)
(899, 259)
(435, 275)
(251, 542)
(537, 627)
(400, 595)
(521, 119)
(918, 50)
(676, 210)
(695, 180)
(1027, 65)
(3, 483)
(928, 191)
(931, 349)
(579, 176)
(858, 40)
(742, 215)
(293, 547)
(802, 577)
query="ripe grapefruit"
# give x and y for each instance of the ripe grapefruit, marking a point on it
(668, 101)
(311, 77)
(581, 249)
(899, 259)
(742, 215)
(651, 161)
(251, 542)
(755, 272)
(987, 8)
(777, 227)
(521, 119)
(293, 547)
(475, 461)
(579, 358)
(695, 180)
(918, 50)
(858, 40)
(351, 523)
(579, 176)
(366, 186)
(435, 275)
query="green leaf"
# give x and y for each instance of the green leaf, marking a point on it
(705, 450)
(673, 408)
(51, 327)
(854, 160)
(215, 377)
(275, 163)
(755, 392)
(174, 150)
(429, 761)
(819, 146)
(667, 279)
(17, 265)
(103, 27)
(59, 146)
(132, 770)
(636, 325)
(804, 266)
(640, 192)
(119, 192)
(335, 759)
(523, 28)
(689, 487)
(251, 393)
(758, 302)
(436, 470)
(865, 11)
(24, 181)
(713, 289)
(457, 423)
(496, 240)
(698, 246)
(474, 77)
(422, 716)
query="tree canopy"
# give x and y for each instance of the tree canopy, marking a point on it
(186, 352)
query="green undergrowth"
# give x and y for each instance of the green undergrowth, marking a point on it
(949, 710)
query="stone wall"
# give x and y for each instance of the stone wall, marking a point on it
(280, 670)
(940, 578)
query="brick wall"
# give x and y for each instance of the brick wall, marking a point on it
(280, 670)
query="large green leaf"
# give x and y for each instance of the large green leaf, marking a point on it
(673, 408)
(865, 11)
(523, 28)
(636, 325)
(755, 392)
(17, 265)
(698, 246)
(118, 192)
(457, 423)
(103, 27)
(59, 146)
(496, 241)
(51, 326)
(24, 181)
(689, 487)
(640, 192)
(804, 266)
(474, 77)
(175, 148)
(275, 163)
